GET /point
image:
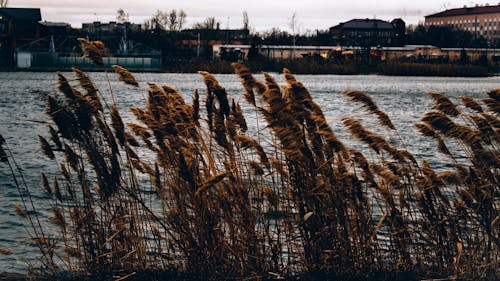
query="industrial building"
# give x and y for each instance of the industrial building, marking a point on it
(18, 26)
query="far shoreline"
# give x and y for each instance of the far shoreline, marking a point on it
(301, 67)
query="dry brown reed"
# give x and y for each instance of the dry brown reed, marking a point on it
(444, 104)
(471, 103)
(214, 202)
(3, 153)
(370, 106)
(93, 50)
(125, 76)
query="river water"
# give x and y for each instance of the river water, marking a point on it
(23, 96)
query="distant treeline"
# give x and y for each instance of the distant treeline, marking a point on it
(177, 43)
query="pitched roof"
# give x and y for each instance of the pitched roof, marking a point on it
(467, 11)
(365, 24)
(24, 14)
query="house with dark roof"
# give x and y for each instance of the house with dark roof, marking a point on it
(479, 20)
(18, 26)
(368, 32)
(97, 28)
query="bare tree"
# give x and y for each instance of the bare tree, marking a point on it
(121, 16)
(293, 26)
(150, 23)
(147, 24)
(158, 21)
(293, 23)
(172, 20)
(245, 20)
(3, 3)
(209, 23)
(181, 19)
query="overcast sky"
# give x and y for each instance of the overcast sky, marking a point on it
(263, 14)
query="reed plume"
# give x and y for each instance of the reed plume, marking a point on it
(471, 103)
(93, 50)
(428, 131)
(493, 102)
(125, 75)
(247, 80)
(444, 104)
(370, 106)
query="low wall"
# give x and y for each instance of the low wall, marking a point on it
(52, 60)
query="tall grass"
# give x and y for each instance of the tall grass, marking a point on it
(432, 69)
(186, 188)
(312, 66)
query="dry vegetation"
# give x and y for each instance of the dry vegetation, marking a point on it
(208, 199)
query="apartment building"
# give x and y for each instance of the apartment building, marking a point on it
(479, 20)
(98, 28)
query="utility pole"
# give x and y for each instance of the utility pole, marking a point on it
(293, 24)
(198, 46)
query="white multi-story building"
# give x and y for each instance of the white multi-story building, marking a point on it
(480, 20)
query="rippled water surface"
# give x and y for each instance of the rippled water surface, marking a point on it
(22, 104)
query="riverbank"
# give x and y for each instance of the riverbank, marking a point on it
(304, 66)
(176, 276)
(441, 70)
